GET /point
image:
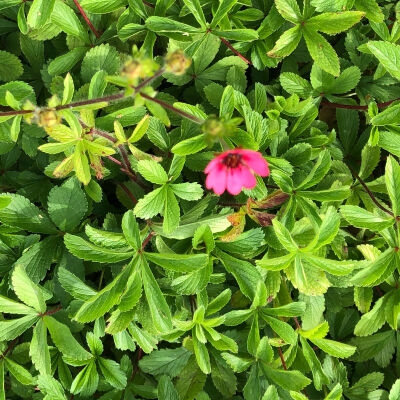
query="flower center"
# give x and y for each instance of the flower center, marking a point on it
(232, 160)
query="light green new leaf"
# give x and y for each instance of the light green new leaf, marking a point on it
(287, 43)
(289, 380)
(335, 349)
(152, 171)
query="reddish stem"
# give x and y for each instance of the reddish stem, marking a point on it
(9, 348)
(128, 192)
(370, 194)
(93, 29)
(296, 321)
(114, 160)
(235, 51)
(282, 358)
(148, 4)
(51, 312)
(139, 357)
(172, 108)
(147, 240)
(357, 107)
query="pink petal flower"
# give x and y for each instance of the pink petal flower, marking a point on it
(233, 170)
(256, 162)
(216, 178)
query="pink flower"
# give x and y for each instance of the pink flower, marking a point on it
(234, 170)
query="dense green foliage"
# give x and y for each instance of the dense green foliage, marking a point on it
(122, 276)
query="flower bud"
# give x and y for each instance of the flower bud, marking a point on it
(48, 118)
(177, 63)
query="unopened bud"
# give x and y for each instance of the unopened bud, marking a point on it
(48, 118)
(177, 63)
(132, 70)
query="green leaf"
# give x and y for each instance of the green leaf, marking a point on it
(282, 329)
(106, 6)
(289, 9)
(223, 8)
(112, 372)
(151, 204)
(178, 262)
(284, 236)
(165, 389)
(319, 376)
(190, 146)
(131, 230)
(65, 19)
(11, 329)
(10, 66)
(190, 381)
(39, 350)
(195, 8)
(187, 191)
(321, 51)
(39, 13)
(87, 251)
(335, 349)
(103, 57)
(361, 218)
(372, 320)
(335, 393)
(21, 213)
(65, 341)
(171, 211)
(372, 10)
(287, 43)
(105, 299)
(289, 380)
(152, 171)
(86, 382)
(395, 391)
(27, 291)
(19, 372)
(51, 388)
(387, 54)
(227, 102)
(162, 24)
(67, 205)
(165, 361)
(159, 308)
(392, 179)
(245, 273)
(321, 167)
(333, 23)
(370, 274)
(74, 286)
(201, 353)
(222, 376)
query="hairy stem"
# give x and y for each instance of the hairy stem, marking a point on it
(357, 107)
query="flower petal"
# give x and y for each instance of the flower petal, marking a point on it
(248, 179)
(235, 180)
(216, 179)
(256, 162)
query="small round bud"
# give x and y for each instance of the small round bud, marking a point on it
(132, 70)
(48, 118)
(177, 63)
(213, 127)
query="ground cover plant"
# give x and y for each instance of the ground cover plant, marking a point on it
(199, 199)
